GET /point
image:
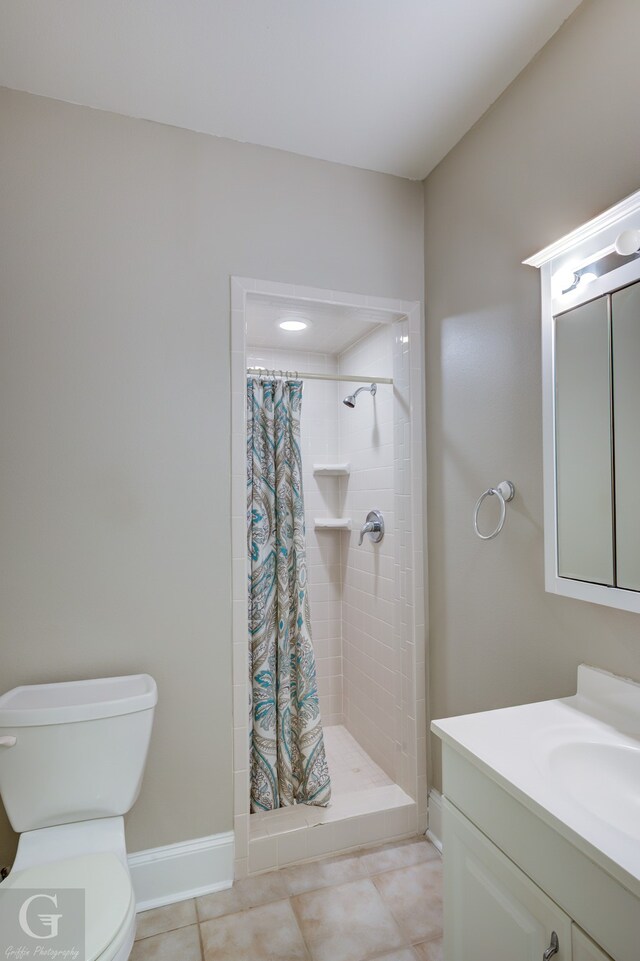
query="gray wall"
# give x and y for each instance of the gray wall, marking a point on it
(118, 238)
(561, 145)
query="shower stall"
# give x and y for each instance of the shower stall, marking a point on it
(361, 443)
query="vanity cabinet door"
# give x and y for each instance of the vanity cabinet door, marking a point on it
(584, 949)
(492, 910)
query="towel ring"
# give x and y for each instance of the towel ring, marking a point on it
(504, 492)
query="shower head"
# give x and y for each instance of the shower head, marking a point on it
(350, 401)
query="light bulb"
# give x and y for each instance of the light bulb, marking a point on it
(293, 324)
(564, 280)
(627, 242)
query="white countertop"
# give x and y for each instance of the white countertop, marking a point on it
(574, 762)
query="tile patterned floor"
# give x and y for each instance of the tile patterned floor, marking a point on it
(381, 903)
(350, 766)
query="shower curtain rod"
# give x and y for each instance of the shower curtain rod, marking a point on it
(305, 375)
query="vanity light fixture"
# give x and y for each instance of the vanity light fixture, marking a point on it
(292, 324)
(569, 276)
(566, 280)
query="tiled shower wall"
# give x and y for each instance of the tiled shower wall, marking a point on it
(368, 628)
(319, 442)
(371, 658)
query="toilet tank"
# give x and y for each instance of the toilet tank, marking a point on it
(74, 751)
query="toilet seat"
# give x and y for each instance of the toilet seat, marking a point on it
(109, 899)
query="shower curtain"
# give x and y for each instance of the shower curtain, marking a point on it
(288, 761)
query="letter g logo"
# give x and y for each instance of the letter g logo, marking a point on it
(47, 920)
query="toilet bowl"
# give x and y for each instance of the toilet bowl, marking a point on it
(72, 757)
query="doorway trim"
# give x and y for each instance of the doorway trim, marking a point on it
(410, 560)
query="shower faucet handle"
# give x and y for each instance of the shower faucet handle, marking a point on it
(373, 526)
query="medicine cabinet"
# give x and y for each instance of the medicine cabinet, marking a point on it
(591, 408)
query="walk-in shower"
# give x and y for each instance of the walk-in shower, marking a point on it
(350, 400)
(365, 592)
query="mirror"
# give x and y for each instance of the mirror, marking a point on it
(590, 282)
(583, 444)
(597, 435)
(625, 322)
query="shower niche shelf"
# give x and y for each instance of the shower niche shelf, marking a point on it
(332, 470)
(332, 523)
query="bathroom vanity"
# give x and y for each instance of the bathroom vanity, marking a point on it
(541, 827)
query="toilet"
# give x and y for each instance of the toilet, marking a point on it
(72, 756)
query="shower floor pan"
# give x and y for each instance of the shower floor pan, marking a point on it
(366, 808)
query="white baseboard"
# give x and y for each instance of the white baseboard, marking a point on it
(434, 818)
(180, 871)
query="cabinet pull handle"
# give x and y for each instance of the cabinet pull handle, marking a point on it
(554, 947)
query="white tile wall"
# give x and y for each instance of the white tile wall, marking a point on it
(370, 650)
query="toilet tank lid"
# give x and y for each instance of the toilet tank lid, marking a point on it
(41, 704)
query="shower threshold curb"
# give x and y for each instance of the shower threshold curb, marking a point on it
(354, 819)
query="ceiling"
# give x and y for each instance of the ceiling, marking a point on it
(332, 327)
(388, 85)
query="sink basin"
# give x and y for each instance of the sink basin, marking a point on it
(603, 778)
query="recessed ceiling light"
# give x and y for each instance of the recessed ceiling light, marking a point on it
(293, 324)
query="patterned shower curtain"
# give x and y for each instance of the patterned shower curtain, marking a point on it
(288, 761)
